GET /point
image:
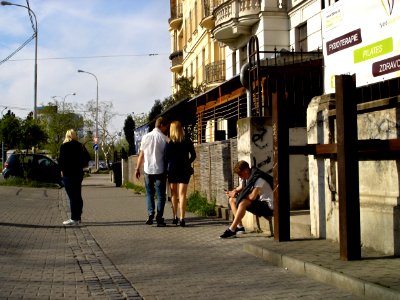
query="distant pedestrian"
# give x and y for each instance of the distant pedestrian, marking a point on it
(152, 155)
(71, 161)
(180, 155)
(255, 195)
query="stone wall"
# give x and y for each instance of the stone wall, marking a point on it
(378, 180)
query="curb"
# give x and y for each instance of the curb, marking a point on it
(342, 281)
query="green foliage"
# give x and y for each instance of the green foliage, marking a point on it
(10, 130)
(137, 188)
(186, 89)
(129, 131)
(56, 124)
(33, 134)
(21, 134)
(155, 111)
(16, 181)
(199, 205)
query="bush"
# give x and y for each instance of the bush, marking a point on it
(199, 205)
(137, 188)
(17, 181)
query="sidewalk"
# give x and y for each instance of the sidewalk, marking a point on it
(114, 255)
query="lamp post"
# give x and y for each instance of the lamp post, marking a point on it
(96, 138)
(5, 3)
(2, 141)
(54, 97)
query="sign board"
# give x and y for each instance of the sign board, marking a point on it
(362, 38)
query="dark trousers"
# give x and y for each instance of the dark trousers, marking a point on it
(73, 188)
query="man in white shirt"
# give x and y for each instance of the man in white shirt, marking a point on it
(255, 195)
(152, 151)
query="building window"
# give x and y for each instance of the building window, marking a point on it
(195, 14)
(301, 35)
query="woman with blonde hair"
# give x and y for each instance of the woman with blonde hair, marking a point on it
(180, 154)
(71, 162)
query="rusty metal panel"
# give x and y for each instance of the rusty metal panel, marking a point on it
(280, 168)
(347, 161)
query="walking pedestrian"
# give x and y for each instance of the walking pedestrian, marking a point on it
(152, 155)
(71, 161)
(180, 155)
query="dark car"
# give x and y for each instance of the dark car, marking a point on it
(32, 166)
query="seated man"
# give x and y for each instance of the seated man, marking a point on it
(254, 195)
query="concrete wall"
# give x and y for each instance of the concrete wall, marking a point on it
(255, 147)
(378, 180)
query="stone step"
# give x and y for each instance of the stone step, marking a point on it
(300, 226)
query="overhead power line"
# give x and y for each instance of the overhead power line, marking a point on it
(88, 57)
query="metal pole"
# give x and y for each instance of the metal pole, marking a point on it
(73, 94)
(2, 142)
(96, 152)
(4, 3)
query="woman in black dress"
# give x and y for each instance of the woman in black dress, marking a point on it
(180, 154)
(71, 161)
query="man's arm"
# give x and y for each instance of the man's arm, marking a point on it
(139, 164)
(254, 194)
(234, 192)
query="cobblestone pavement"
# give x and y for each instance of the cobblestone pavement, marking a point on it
(114, 255)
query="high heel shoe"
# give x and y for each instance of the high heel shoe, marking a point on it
(182, 223)
(175, 221)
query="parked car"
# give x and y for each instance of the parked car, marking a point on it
(91, 167)
(32, 166)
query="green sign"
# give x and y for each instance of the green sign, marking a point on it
(373, 50)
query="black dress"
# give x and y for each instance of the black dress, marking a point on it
(179, 156)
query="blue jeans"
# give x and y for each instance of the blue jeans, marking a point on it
(155, 183)
(73, 188)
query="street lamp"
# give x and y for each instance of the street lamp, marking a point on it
(96, 138)
(2, 141)
(5, 3)
(54, 97)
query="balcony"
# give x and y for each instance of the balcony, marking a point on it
(234, 20)
(208, 20)
(175, 22)
(214, 72)
(176, 59)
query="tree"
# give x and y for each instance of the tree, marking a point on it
(129, 131)
(105, 114)
(155, 111)
(10, 130)
(33, 135)
(56, 124)
(186, 89)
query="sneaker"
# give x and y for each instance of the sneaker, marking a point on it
(240, 230)
(71, 222)
(228, 234)
(150, 220)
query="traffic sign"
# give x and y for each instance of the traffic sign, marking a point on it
(95, 147)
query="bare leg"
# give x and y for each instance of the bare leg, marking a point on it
(240, 212)
(182, 198)
(174, 198)
(232, 203)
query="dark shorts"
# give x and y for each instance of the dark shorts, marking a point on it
(178, 177)
(259, 208)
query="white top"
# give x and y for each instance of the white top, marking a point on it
(266, 193)
(153, 146)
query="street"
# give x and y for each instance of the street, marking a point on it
(114, 255)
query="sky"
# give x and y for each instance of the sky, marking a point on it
(124, 43)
